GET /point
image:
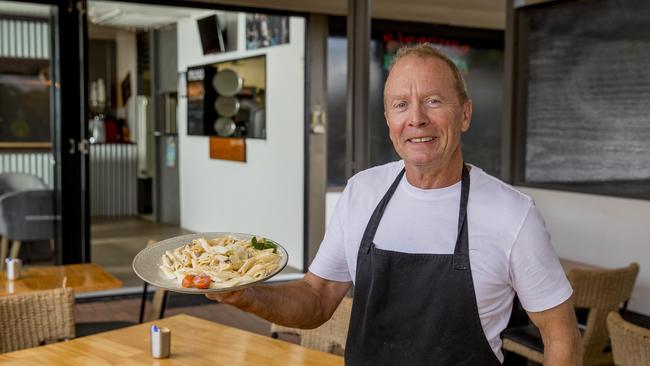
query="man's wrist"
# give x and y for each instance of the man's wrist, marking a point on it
(249, 294)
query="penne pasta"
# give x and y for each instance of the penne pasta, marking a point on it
(226, 260)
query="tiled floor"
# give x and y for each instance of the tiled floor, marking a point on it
(116, 241)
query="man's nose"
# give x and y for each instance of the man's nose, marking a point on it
(417, 116)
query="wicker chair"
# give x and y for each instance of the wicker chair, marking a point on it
(598, 290)
(32, 319)
(630, 343)
(329, 337)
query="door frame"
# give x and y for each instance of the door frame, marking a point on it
(68, 125)
(72, 148)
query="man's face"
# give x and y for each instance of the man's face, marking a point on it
(424, 112)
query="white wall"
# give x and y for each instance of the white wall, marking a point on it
(263, 196)
(605, 231)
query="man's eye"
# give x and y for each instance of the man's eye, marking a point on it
(399, 105)
(433, 102)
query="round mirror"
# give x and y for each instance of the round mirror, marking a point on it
(226, 106)
(225, 126)
(227, 82)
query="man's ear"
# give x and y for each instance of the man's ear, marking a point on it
(385, 117)
(467, 116)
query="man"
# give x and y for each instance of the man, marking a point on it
(435, 262)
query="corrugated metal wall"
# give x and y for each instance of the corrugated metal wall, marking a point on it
(36, 163)
(24, 39)
(113, 176)
(113, 180)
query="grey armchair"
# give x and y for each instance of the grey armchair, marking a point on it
(26, 212)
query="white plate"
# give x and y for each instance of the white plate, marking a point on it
(146, 264)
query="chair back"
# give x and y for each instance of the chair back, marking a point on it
(330, 336)
(32, 319)
(601, 291)
(630, 343)
(11, 182)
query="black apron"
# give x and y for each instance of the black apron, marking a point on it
(416, 309)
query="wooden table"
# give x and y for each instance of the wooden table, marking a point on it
(84, 277)
(194, 341)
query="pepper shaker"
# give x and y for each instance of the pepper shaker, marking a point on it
(14, 265)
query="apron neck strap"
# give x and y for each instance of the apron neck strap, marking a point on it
(373, 224)
(461, 251)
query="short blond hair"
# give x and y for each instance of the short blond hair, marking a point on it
(426, 50)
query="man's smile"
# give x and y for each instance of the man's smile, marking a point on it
(421, 139)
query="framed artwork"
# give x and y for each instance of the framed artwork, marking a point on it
(264, 30)
(25, 104)
(227, 98)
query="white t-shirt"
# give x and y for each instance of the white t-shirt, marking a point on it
(509, 247)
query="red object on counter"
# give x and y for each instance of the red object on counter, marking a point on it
(110, 126)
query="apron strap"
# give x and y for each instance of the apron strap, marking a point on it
(373, 224)
(461, 251)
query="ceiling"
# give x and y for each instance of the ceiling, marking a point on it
(137, 16)
(470, 13)
(112, 13)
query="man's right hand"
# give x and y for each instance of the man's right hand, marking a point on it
(242, 299)
(305, 303)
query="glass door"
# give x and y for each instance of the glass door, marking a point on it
(42, 150)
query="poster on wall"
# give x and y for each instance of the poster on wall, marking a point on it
(264, 30)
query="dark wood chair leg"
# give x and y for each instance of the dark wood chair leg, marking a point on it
(143, 302)
(163, 305)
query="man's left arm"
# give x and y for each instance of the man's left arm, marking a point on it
(559, 329)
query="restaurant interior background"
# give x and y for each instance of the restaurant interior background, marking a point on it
(165, 177)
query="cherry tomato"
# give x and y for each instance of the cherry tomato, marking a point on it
(202, 281)
(188, 281)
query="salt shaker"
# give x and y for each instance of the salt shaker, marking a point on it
(160, 341)
(14, 265)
